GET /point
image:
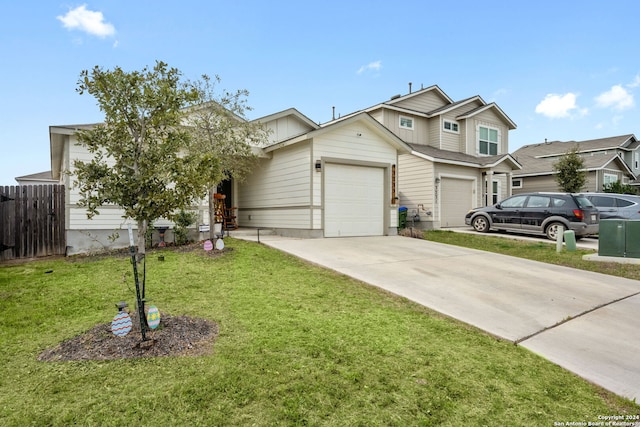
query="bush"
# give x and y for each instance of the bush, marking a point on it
(619, 188)
(181, 229)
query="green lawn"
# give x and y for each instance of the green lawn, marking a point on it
(298, 345)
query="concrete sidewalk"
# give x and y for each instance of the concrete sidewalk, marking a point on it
(583, 321)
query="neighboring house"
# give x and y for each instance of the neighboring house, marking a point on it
(41, 178)
(606, 160)
(459, 154)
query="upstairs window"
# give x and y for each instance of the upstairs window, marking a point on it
(636, 160)
(406, 122)
(451, 126)
(488, 141)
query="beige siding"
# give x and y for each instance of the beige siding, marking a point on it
(285, 127)
(415, 184)
(537, 183)
(419, 134)
(425, 102)
(278, 191)
(451, 141)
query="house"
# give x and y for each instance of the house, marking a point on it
(40, 178)
(347, 177)
(606, 160)
(459, 155)
(335, 180)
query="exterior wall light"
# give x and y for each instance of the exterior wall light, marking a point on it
(318, 166)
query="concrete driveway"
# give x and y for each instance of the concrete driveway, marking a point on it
(583, 321)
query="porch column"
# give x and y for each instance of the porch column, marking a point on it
(488, 201)
(509, 178)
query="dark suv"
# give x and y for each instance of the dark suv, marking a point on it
(538, 213)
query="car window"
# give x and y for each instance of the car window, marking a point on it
(603, 201)
(538, 202)
(623, 203)
(583, 202)
(557, 202)
(513, 202)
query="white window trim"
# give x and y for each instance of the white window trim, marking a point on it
(636, 161)
(612, 176)
(478, 140)
(514, 180)
(452, 122)
(404, 126)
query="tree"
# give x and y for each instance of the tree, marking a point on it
(571, 176)
(141, 158)
(218, 126)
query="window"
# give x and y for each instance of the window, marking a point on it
(636, 161)
(406, 122)
(451, 126)
(488, 141)
(514, 202)
(496, 192)
(516, 183)
(610, 178)
(538, 202)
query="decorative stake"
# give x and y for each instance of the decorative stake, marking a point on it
(142, 317)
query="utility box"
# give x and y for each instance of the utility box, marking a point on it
(632, 240)
(619, 238)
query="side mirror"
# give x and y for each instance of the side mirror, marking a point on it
(497, 205)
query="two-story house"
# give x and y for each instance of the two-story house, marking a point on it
(459, 154)
(606, 160)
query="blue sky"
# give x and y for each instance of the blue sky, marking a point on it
(561, 70)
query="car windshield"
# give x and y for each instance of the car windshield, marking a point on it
(583, 202)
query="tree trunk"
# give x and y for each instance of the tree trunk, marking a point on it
(142, 233)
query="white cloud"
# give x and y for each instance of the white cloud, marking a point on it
(635, 83)
(559, 106)
(88, 21)
(375, 66)
(617, 97)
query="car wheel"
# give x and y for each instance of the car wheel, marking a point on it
(480, 224)
(553, 229)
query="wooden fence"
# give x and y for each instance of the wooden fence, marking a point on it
(32, 222)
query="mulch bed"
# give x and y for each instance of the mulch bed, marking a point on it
(175, 336)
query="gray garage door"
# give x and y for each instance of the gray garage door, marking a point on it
(457, 199)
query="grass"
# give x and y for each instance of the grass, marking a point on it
(537, 251)
(298, 345)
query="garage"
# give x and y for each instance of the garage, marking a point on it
(353, 200)
(457, 199)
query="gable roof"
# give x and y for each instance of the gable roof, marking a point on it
(491, 106)
(434, 88)
(381, 130)
(450, 106)
(437, 155)
(40, 176)
(288, 112)
(538, 159)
